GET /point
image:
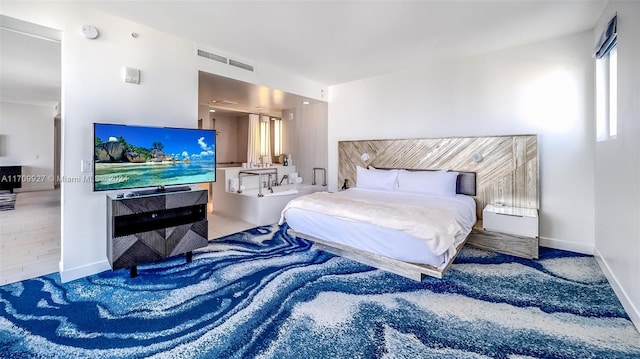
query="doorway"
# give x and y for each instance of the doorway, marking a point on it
(30, 234)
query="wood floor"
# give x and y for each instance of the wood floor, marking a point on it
(30, 235)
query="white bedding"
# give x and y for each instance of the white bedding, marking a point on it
(398, 244)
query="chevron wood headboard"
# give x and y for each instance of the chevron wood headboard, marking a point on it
(508, 173)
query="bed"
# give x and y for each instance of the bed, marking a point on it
(412, 223)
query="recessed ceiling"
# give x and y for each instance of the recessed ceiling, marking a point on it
(227, 95)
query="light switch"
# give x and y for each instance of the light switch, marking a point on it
(85, 166)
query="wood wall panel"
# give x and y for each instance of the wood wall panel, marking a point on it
(508, 173)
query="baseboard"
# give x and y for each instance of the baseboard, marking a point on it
(631, 309)
(566, 245)
(83, 271)
(34, 187)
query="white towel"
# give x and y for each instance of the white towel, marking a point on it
(233, 184)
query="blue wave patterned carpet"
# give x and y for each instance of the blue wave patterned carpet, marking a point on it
(263, 294)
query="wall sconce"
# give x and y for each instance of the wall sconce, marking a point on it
(277, 137)
(264, 136)
(477, 157)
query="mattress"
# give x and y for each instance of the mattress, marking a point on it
(385, 241)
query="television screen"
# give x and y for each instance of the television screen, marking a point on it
(139, 156)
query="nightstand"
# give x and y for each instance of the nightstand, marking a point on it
(509, 230)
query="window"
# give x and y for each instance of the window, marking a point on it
(607, 96)
(606, 54)
(613, 92)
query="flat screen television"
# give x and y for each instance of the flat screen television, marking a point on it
(127, 157)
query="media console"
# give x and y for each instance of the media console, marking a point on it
(146, 228)
(10, 177)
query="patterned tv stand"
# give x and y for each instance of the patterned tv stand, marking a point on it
(145, 228)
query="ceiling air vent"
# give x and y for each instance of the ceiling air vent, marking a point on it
(211, 56)
(240, 65)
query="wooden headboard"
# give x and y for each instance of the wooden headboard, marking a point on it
(507, 173)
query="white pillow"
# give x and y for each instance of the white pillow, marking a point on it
(386, 180)
(440, 183)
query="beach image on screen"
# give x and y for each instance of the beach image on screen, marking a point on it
(137, 156)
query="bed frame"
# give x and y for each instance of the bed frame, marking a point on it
(415, 271)
(496, 169)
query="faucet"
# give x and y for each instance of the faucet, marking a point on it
(259, 172)
(269, 182)
(324, 178)
(285, 177)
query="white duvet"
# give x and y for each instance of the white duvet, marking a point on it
(435, 220)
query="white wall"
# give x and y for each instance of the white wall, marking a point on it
(242, 138)
(227, 145)
(92, 91)
(305, 138)
(617, 167)
(27, 140)
(543, 88)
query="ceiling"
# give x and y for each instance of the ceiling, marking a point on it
(330, 42)
(30, 58)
